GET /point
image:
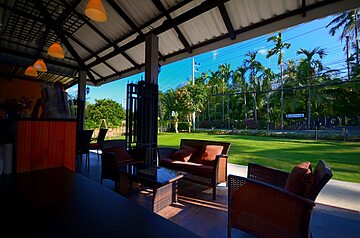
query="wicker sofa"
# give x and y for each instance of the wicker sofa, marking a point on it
(202, 166)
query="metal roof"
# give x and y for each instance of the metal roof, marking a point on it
(115, 49)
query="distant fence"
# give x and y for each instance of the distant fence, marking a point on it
(112, 132)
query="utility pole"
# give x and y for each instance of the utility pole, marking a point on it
(193, 83)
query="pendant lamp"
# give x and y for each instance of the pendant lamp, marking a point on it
(30, 71)
(55, 50)
(95, 11)
(40, 65)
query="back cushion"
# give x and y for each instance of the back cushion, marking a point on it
(300, 179)
(184, 153)
(209, 153)
(121, 154)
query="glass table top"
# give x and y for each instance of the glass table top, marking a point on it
(155, 174)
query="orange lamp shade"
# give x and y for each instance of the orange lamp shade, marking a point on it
(95, 11)
(55, 50)
(40, 65)
(30, 71)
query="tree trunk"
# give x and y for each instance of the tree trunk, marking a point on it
(208, 102)
(267, 110)
(245, 114)
(255, 111)
(189, 119)
(357, 39)
(309, 104)
(228, 111)
(223, 110)
(176, 125)
(282, 97)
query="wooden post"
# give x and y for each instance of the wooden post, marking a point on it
(81, 100)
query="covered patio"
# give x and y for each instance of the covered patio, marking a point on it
(134, 37)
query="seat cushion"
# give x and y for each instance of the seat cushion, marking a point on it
(190, 167)
(209, 153)
(184, 153)
(300, 179)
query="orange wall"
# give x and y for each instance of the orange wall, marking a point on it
(16, 88)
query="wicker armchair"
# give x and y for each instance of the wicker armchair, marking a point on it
(259, 204)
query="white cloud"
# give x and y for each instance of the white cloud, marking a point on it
(262, 51)
(214, 54)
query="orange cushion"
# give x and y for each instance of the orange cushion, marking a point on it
(184, 153)
(209, 153)
(121, 154)
(300, 179)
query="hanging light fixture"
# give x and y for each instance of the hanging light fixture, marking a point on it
(55, 50)
(95, 11)
(30, 71)
(40, 65)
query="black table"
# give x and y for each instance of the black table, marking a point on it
(60, 203)
(163, 181)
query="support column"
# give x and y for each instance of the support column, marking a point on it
(151, 58)
(148, 102)
(81, 100)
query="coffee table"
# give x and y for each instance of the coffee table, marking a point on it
(163, 182)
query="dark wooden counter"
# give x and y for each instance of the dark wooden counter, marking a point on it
(60, 203)
(40, 144)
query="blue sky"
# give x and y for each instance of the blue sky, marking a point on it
(307, 36)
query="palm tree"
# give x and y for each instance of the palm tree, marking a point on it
(350, 22)
(239, 81)
(307, 69)
(254, 67)
(267, 77)
(278, 49)
(224, 74)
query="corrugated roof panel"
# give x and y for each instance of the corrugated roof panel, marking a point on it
(154, 25)
(90, 38)
(169, 42)
(127, 40)
(102, 69)
(114, 27)
(95, 76)
(119, 63)
(204, 27)
(90, 60)
(137, 53)
(186, 8)
(139, 12)
(81, 51)
(169, 3)
(105, 52)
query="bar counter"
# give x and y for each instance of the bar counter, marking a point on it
(61, 203)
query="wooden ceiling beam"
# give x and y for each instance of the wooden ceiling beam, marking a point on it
(181, 36)
(227, 21)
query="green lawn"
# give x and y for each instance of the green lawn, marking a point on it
(343, 157)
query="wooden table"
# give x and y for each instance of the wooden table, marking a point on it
(60, 203)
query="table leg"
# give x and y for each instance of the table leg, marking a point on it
(124, 184)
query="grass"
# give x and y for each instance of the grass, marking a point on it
(342, 157)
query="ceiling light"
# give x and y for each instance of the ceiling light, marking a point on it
(95, 11)
(30, 71)
(40, 65)
(55, 50)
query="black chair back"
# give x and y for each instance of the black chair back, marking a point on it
(321, 175)
(101, 137)
(83, 140)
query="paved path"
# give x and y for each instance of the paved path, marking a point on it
(335, 193)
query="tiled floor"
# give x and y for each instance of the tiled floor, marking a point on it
(197, 212)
